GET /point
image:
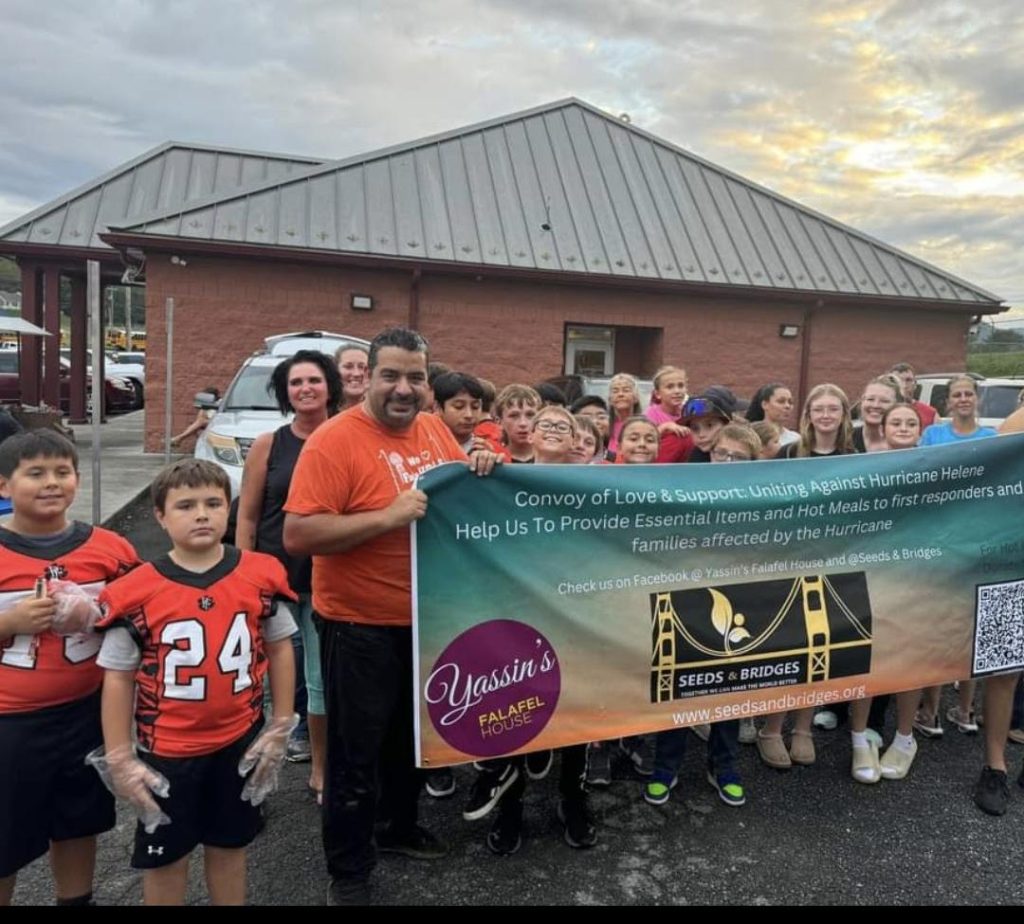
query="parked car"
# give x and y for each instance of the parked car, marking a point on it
(119, 394)
(137, 358)
(135, 373)
(997, 398)
(247, 408)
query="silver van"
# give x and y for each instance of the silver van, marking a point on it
(248, 408)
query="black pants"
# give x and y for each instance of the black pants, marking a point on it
(367, 673)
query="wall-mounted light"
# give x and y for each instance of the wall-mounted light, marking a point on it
(178, 261)
(789, 331)
(362, 303)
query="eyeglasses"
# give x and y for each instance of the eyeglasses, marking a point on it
(724, 455)
(554, 426)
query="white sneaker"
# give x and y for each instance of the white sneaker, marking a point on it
(896, 762)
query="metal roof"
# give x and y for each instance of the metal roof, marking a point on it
(562, 187)
(167, 177)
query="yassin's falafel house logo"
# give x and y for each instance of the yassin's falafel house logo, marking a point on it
(494, 688)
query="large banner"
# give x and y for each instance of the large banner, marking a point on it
(562, 604)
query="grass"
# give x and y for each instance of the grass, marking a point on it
(996, 364)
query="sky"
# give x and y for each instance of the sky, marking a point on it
(901, 118)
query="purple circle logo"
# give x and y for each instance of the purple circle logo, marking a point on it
(494, 688)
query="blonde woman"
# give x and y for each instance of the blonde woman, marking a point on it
(826, 429)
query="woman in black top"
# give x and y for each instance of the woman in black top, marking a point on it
(307, 385)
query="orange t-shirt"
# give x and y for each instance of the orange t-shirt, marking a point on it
(353, 464)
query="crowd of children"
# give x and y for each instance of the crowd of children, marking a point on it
(147, 679)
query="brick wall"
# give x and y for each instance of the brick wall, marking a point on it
(510, 331)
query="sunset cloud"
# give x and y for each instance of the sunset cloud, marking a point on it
(902, 119)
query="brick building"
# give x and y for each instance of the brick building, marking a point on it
(555, 240)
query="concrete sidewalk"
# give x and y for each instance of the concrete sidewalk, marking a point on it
(126, 471)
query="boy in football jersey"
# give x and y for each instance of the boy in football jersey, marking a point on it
(188, 640)
(49, 679)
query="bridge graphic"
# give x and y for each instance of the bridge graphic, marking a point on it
(769, 633)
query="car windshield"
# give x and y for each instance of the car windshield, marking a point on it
(249, 391)
(998, 400)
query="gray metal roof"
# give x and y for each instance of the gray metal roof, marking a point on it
(169, 176)
(562, 187)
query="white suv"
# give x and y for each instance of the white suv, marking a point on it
(248, 408)
(997, 398)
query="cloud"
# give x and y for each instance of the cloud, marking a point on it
(901, 118)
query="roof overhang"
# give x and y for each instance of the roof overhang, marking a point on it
(121, 241)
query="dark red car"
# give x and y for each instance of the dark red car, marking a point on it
(119, 395)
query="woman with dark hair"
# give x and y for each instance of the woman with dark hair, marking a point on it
(307, 385)
(774, 402)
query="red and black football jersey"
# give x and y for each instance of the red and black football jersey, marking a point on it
(200, 681)
(37, 671)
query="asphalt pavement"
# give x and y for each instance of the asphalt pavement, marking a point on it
(810, 835)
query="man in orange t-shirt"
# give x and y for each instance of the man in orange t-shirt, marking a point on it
(350, 505)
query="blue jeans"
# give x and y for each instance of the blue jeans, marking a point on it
(723, 747)
(308, 679)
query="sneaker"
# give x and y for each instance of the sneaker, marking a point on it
(701, 731)
(417, 844)
(965, 723)
(929, 728)
(298, 751)
(505, 836)
(579, 827)
(864, 766)
(896, 762)
(487, 789)
(440, 783)
(748, 731)
(538, 764)
(599, 765)
(826, 720)
(729, 786)
(992, 794)
(348, 892)
(640, 750)
(657, 793)
(1016, 735)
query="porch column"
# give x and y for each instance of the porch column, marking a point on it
(51, 351)
(30, 363)
(76, 409)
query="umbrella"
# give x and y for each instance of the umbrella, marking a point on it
(14, 325)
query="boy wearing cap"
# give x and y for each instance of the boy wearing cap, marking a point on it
(705, 415)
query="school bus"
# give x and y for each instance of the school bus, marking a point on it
(116, 338)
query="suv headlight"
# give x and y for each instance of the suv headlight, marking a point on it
(224, 448)
(118, 382)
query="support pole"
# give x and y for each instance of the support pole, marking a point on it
(168, 406)
(92, 286)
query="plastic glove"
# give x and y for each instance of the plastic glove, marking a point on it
(264, 757)
(130, 779)
(77, 612)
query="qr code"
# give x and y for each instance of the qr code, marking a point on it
(999, 628)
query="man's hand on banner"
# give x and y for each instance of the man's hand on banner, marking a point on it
(482, 461)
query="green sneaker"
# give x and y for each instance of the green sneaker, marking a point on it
(729, 786)
(657, 793)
